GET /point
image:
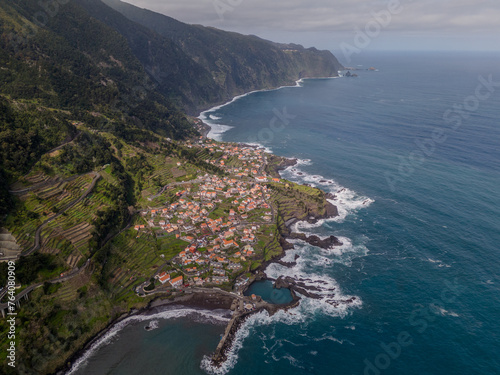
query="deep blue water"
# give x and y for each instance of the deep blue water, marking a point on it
(420, 224)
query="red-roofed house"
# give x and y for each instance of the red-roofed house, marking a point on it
(177, 282)
(164, 277)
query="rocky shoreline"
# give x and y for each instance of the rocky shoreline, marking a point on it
(314, 240)
(295, 286)
(213, 299)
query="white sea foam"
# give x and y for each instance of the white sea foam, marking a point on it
(320, 257)
(216, 131)
(172, 313)
(331, 338)
(438, 262)
(347, 201)
(346, 252)
(304, 162)
(152, 325)
(443, 312)
(331, 302)
(259, 145)
(208, 115)
(257, 319)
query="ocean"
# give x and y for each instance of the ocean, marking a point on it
(411, 151)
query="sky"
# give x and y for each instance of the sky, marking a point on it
(347, 26)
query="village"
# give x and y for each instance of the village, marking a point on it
(223, 221)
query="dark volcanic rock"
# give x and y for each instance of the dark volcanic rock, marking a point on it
(286, 264)
(330, 196)
(331, 210)
(296, 286)
(285, 245)
(285, 163)
(316, 241)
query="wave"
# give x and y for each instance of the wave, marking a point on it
(443, 312)
(217, 130)
(304, 162)
(258, 319)
(319, 257)
(439, 263)
(300, 315)
(331, 301)
(348, 202)
(259, 145)
(152, 325)
(209, 115)
(171, 313)
(346, 252)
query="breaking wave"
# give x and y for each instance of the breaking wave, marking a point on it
(217, 317)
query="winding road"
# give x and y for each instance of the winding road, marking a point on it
(29, 289)
(38, 232)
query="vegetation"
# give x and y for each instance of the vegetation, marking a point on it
(213, 64)
(90, 132)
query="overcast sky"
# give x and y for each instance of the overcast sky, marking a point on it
(335, 24)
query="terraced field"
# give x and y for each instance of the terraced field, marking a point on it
(43, 202)
(297, 200)
(135, 259)
(69, 289)
(9, 249)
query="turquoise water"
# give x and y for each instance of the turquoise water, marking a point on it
(420, 223)
(264, 289)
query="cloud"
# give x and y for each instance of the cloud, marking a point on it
(279, 17)
(316, 15)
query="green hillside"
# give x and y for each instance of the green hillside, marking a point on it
(94, 136)
(238, 63)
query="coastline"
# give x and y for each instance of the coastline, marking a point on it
(197, 302)
(205, 117)
(190, 301)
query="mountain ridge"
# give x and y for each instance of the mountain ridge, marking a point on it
(93, 131)
(237, 63)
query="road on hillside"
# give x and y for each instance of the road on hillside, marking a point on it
(38, 232)
(49, 182)
(29, 289)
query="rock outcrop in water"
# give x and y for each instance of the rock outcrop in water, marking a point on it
(316, 241)
(297, 286)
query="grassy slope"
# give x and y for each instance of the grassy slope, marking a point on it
(77, 76)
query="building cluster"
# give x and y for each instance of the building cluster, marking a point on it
(219, 217)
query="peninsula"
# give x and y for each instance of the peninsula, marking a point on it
(112, 199)
(210, 217)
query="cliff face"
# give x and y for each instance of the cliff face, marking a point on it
(233, 63)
